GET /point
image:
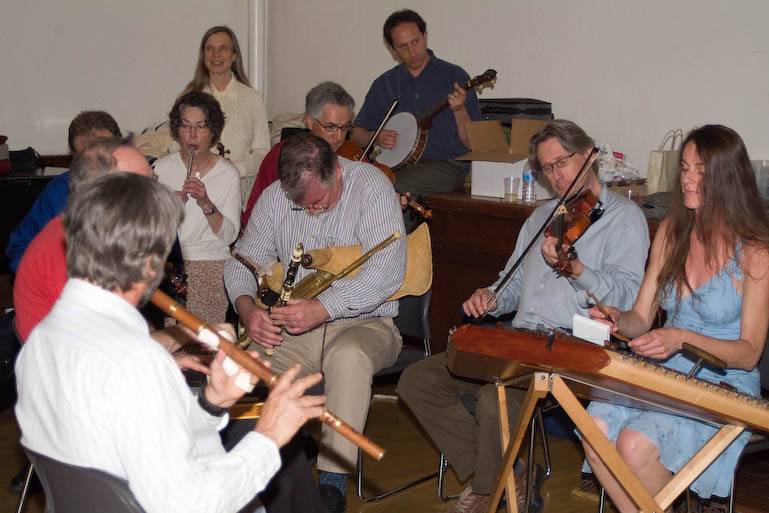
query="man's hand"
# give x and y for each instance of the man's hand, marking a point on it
(476, 305)
(300, 315)
(457, 98)
(287, 408)
(387, 138)
(191, 362)
(221, 389)
(258, 324)
(550, 254)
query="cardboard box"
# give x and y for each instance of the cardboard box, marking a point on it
(493, 159)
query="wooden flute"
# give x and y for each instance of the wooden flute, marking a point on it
(209, 336)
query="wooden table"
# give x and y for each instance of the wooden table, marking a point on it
(472, 237)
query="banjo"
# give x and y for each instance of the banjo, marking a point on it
(412, 131)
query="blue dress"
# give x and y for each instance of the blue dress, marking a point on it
(713, 310)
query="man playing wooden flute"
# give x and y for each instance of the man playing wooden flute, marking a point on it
(347, 332)
(96, 391)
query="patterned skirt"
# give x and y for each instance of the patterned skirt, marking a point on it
(206, 296)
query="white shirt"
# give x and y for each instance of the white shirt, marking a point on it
(197, 240)
(96, 391)
(245, 133)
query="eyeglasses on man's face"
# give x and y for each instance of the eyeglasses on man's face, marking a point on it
(558, 164)
(333, 128)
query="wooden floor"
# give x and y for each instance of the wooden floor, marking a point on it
(410, 454)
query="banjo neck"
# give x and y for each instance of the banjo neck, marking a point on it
(426, 120)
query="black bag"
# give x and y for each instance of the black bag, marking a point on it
(26, 160)
(9, 349)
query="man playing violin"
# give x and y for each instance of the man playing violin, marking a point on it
(347, 332)
(328, 113)
(419, 82)
(609, 262)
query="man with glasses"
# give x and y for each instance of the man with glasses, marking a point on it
(328, 113)
(609, 264)
(419, 83)
(347, 332)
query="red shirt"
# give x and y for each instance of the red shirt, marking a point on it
(40, 277)
(268, 173)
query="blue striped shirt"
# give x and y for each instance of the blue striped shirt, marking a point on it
(367, 213)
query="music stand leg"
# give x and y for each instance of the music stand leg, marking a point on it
(538, 388)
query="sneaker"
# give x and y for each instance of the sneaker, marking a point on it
(469, 502)
(332, 498)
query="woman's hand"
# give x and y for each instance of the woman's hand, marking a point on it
(197, 189)
(659, 344)
(612, 320)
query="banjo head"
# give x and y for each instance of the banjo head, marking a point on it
(406, 125)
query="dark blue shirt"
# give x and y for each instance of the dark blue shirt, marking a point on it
(48, 205)
(418, 95)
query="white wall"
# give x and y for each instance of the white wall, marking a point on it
(130, 58)
(627, 71)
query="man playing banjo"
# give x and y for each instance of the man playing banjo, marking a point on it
(419, 83)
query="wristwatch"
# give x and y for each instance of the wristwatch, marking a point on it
(211, 409)
(211, 211)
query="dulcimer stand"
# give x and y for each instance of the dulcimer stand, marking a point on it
(507, 357)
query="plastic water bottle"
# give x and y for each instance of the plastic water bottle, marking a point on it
(528, 192)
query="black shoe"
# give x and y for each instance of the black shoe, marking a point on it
(17, 483)
(333, 499)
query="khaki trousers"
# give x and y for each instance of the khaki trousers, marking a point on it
(348, 354)
(470, 441)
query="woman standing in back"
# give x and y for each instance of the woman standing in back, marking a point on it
(220, 72)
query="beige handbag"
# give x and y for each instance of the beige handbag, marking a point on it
(664, 163)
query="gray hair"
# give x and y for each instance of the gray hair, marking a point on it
(569, 135)
(95, 160)
(301, 156)
(116, 225)
(327, 92)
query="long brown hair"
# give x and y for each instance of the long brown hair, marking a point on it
(201, 79)
(731, 209)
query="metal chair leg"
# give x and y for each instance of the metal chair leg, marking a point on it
(400, 488)
(602, 500)
(25, 490)
(545, 444)
(443, 464)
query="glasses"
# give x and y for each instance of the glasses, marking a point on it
(199, 127)
(332, 128)
(558, 164)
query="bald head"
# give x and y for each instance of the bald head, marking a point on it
(128, 158)
(103, 156)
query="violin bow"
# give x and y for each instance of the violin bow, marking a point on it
(378, 130)
(498, 290)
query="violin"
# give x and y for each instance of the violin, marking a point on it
(221, 151)
(571, 221)
(352, 151)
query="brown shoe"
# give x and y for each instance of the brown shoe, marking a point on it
(469, 502)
